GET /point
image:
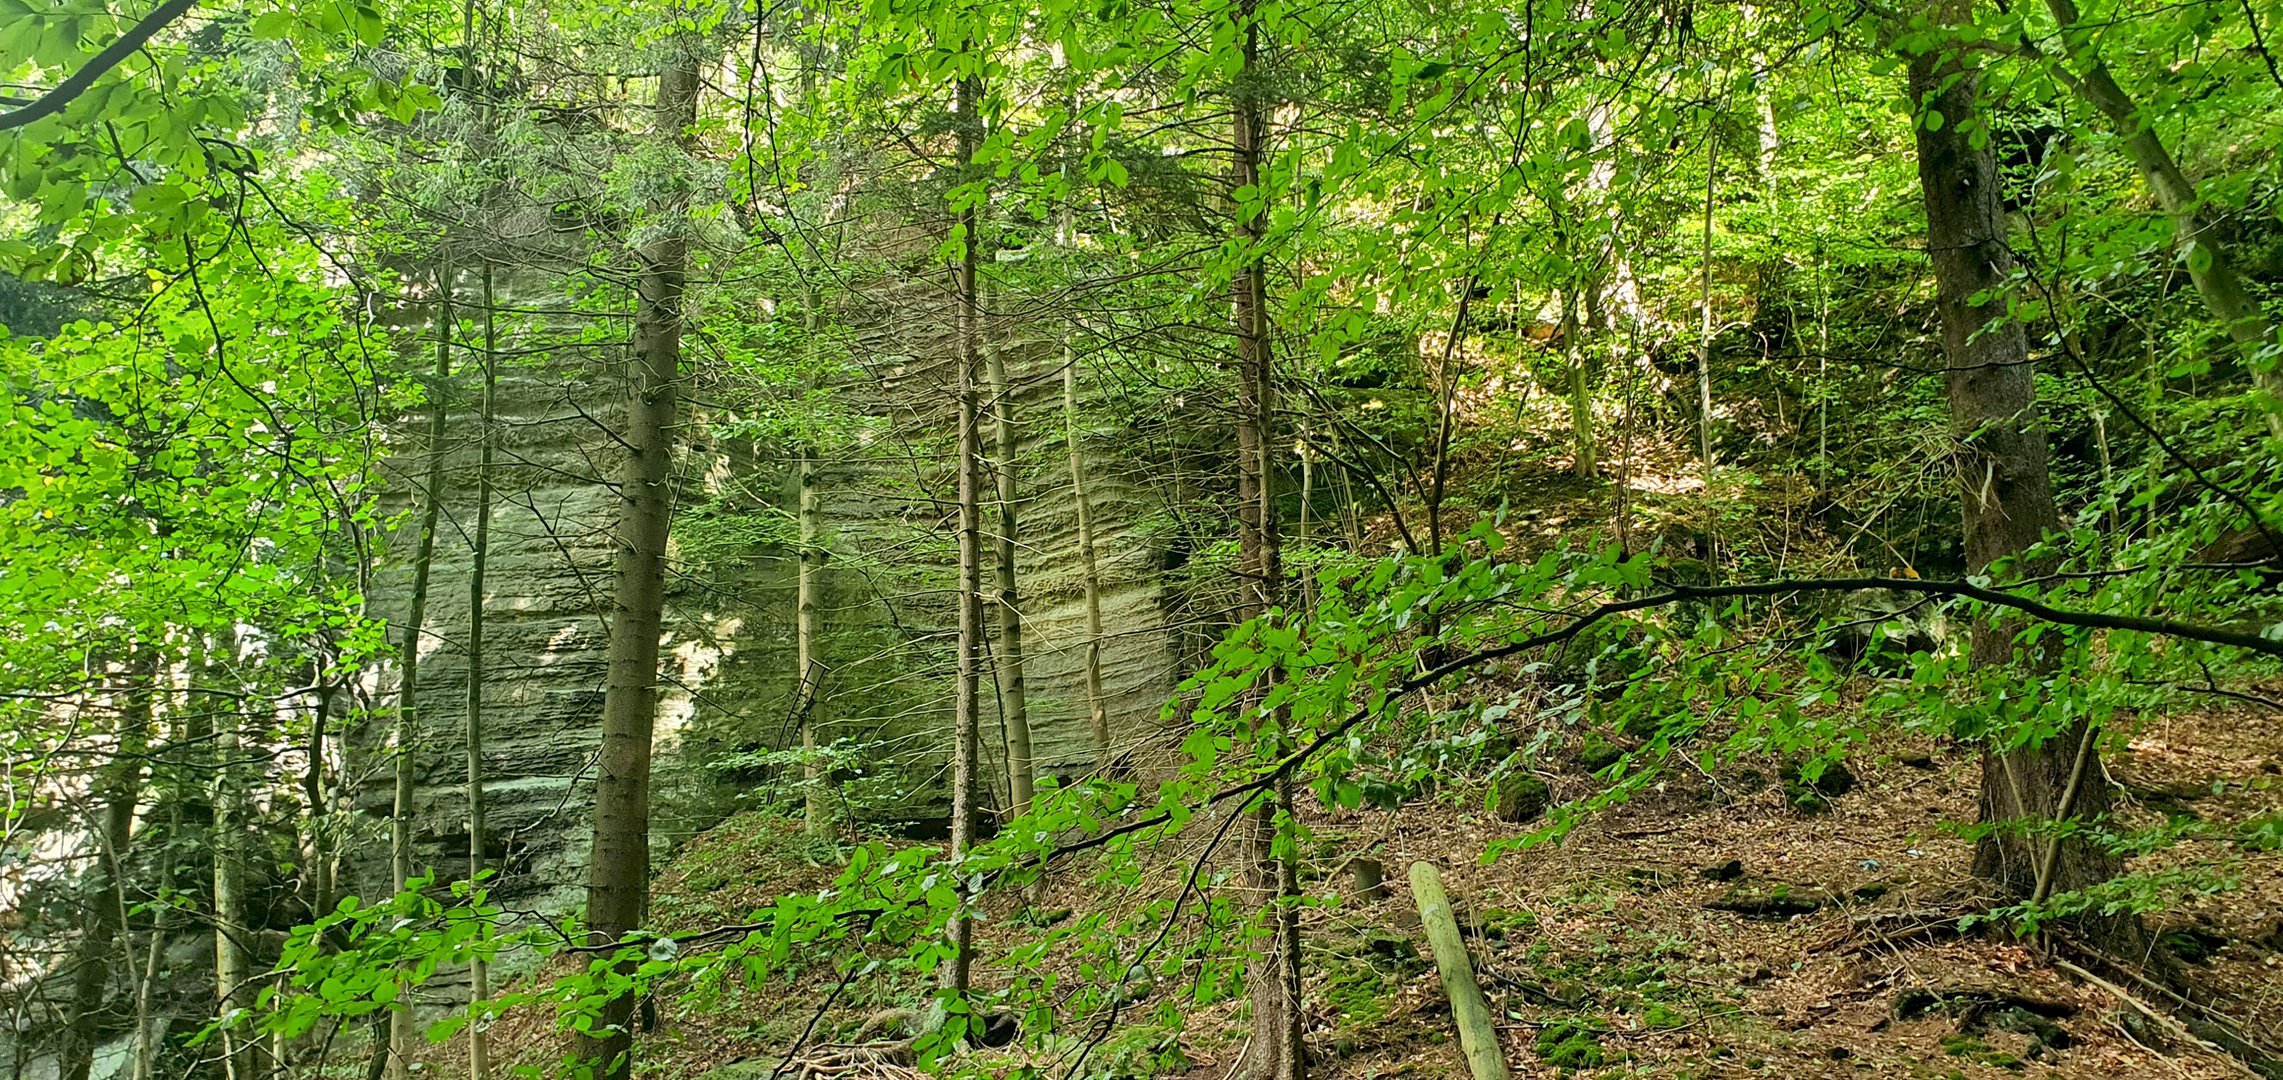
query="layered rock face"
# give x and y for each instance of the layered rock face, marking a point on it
(729, 684)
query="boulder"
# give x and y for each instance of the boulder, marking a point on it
(1522, 798)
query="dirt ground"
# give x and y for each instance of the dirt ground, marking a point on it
(1619, 951)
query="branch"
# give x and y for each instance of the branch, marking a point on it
(53, 101)
(1676, 594)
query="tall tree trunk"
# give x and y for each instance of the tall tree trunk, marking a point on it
(1014, 708)
(954, 975)
(808, 613)
(2209, 267)
(319, 846)
(1097, 713)
(618, 881)
(118, 787)
(1276, 1051)
(1711, 550)
(479, 974)
(403, 1040)
(2001, 462)
(233, 961)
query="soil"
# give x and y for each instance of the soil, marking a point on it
(1705, 929)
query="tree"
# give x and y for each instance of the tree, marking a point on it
(955, 975)
(808, 622)
(2209, 267)
(479, 834)
(1014, 708)
(2028, 775)
(618, 883)
(403, 1039)
(118, 789)
(1277, 1050)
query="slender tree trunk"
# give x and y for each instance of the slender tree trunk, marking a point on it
(1276, 1051)
(319, 846)
(146, 986)
(403, 1040)
(966, 763)
(1097, 713)
(807, 632)
(808, 602)
(118, 788)
(1014, 708)
(2001, 462)
(1704, 358)
(1584, 461)
(479, 973)
(2209, 267)
(618, 882)
(233, 962)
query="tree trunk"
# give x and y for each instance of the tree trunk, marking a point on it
(808, 612)
(1711, 550)
(1584, 461)
(118, 787)
(1470, 1011)
(402, 1039)
(319, 845)
(2209, 267)
(479, 974)
(1276, 1051)
(966, 763)
(618, 881)
(1014, 709)
(233, 963)
(2001, 461)
(1097, 713)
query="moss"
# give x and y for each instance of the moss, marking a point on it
(1595, 753)
(1659, 1018)
(1522, 798)
(1571, 1044)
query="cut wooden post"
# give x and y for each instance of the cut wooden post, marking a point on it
(1477, 1035)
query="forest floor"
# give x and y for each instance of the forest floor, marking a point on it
(1621, 950)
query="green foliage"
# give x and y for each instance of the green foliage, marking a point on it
(360, 959)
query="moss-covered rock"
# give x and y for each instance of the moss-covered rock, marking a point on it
(1810, 789)
(1595, 753)
(1522, 798)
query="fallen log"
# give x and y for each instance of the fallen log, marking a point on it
(1478, 1036)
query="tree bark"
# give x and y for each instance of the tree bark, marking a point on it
(233, 961)
(808, 614)
(1276, 1051)
(2209, 267)
(1470, 1011)
(619, 875)
(1097, 713)
(966, 764)
(479, 974)
(1585, 460)
(117, 790)
(2007, 493)
(1711, 550)
(403, 1040)
(1014, 708)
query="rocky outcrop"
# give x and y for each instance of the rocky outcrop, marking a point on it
(729, 683)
